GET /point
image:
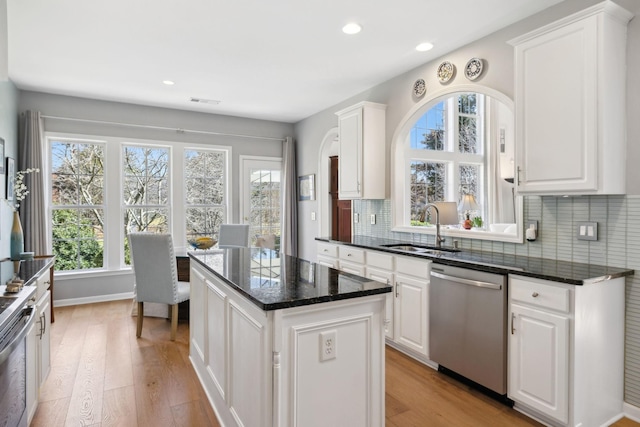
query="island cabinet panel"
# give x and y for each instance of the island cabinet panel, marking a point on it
(320, 364)
(335, 364)
(249, 367)
(197, 312)
(216, 327)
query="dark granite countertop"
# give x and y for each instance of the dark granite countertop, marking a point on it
(273, 281)
(541, 268)
(29, 271)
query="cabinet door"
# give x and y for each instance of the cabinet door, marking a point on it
(539, 361)
(350, 134)
(197, 310)
(44, 333)
(411, 320)
(384, 276)
(556, 114)
(32, 370)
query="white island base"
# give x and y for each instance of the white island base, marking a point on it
(311, 365)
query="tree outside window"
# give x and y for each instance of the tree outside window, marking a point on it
(77, 183)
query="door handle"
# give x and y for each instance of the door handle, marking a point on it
(513, 320)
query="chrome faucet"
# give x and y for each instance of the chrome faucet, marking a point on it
(439, 238)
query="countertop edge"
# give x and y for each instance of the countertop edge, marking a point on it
(492, 268)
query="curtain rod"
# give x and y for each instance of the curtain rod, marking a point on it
(177, 130)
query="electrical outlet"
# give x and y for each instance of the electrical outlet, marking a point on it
(373, 219)
(328, 344)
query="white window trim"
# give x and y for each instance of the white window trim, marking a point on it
(113, 257)
(400, 175)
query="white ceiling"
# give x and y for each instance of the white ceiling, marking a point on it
(278, 60)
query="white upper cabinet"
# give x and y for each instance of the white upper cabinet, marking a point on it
(362, 170)
(570, 104)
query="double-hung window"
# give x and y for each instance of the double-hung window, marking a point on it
(78, 203)
(104, 188)
(445, 155)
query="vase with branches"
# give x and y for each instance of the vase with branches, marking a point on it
(21, 191)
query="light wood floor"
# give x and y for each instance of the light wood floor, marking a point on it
(102, 375)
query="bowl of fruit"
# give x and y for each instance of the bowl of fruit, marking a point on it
(202, 242)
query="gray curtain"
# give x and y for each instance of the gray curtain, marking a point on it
(289, 240)
(32, 209)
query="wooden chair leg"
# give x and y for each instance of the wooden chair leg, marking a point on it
(140, 316)
(174, 321)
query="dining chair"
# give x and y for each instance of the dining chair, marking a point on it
(156, 278)
(233, 236)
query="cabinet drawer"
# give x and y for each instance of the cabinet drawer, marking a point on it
(540, 295)
(380, 260)
(42, 283)
(351, 254)
(413, 267)
(327, 249)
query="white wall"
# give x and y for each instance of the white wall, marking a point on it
(92, 287)
(498, 74)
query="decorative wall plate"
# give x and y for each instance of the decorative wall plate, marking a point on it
(446, 70)
(419, 87)
(473, 69)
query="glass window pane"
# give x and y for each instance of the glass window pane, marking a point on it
(469, 179)
(467, 103)
(428, 184)
(204, 192)
(467, 135)
(429, 131)
(77, 182)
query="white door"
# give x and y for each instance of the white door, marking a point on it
(411, 321)
(539, 361)
(261, 204)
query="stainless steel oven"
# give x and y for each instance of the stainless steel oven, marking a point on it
(13, 361)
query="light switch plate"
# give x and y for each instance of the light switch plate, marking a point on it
(373, 219)
(313, 216)
(587, 230)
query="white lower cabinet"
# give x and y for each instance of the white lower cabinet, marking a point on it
(39, 343)
(566, 350)
(32, 370)
(270, 368)
(43, 326)
(380, 267)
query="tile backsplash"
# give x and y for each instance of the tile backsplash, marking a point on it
(618, 245)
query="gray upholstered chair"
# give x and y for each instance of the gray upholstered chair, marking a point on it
(233, 236)
(156, 277)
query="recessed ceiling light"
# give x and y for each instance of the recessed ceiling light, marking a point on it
(351, 28)
(423, 47)
(168, 82)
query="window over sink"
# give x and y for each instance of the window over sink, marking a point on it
(457, 142)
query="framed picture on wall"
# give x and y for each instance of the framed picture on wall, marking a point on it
(306, 187)
(11, 173)
(1, 156)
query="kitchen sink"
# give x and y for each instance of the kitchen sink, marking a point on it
(420, 249)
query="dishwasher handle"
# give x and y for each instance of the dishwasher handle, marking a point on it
(469, 282)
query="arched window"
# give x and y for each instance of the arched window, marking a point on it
(457, 145)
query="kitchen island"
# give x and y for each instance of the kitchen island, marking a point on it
(280, 341)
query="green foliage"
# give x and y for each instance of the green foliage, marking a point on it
(477, 222)
(75, 244)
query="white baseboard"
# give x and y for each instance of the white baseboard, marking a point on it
(90, 300)
(631, 412)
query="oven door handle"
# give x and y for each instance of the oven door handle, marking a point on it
(4, 355)
(467, 281)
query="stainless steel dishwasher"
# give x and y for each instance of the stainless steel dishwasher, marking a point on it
(467, 324)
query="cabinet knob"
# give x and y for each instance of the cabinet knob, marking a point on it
(348, 254)
(325, 250)
(535, 294)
